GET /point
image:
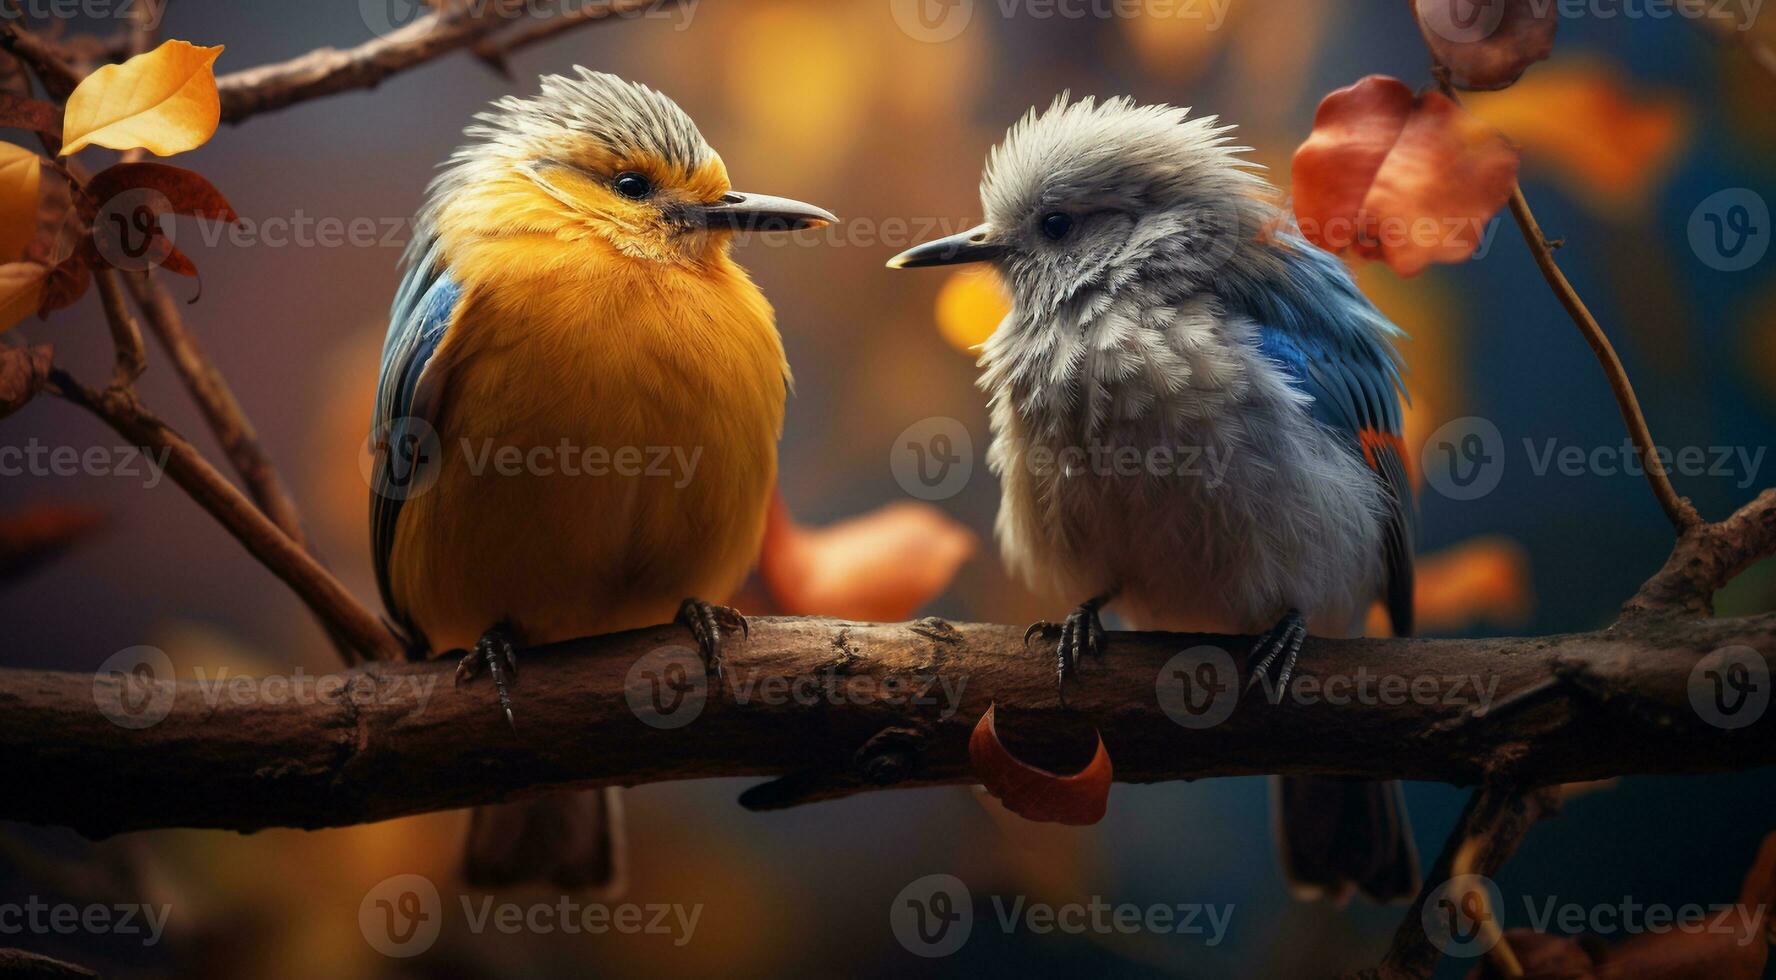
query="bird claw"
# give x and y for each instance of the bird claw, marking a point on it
(706, 622)
(496, 654)
(1280, 645)
(1081, 633)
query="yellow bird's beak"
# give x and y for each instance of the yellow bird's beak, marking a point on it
(974, 245)
(762, 212)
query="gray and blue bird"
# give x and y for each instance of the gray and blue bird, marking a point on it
(1162, 300)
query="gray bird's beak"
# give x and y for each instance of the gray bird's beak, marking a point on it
(974, 245)
(762, 212)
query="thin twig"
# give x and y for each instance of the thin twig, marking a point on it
(1677, 509)
(495, 50)
(126, 333)
(1681, 514)
(216, 400)
(1496, 819)
(120, 409)
(57, 76)
(327, 71)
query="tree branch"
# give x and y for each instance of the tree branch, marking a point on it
(215, 399)
(806, 699)
(327, 71)
(120, 409)
(1706, 558)
(495, 50)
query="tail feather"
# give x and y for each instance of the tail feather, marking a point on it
(573, 840)
(1340, 835)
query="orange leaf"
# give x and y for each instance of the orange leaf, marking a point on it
(1407, 179)
(164, 101)
(879, 567)
(1487, 44)
(66, 283)
(1035, 793)
(1609, 144)
(21, 179)
(21, 291)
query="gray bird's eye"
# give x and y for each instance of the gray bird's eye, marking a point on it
(633, 185)
(1056, 225)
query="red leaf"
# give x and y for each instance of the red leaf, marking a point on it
(181, 191)
(878, 567)
(23, 372)
(1407, 179)
(67, 282)
(35, 535)
(1487, 44)
(1035, 793)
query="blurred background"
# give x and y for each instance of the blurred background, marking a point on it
(886, 120)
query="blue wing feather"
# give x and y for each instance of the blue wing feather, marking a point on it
(422, 312)
(1336, 346)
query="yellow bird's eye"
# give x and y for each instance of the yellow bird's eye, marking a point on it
(633, 185)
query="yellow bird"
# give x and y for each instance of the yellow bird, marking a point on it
(577, 420)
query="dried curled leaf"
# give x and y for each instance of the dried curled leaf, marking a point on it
(65, 284)
(877, 567)
(21, 179)
(1487, 44)
(164, 101)
(1404, 178)
(21, 291)
(23, 372)
(1035, 793)
(179, 191)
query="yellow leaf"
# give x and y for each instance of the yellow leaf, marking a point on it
(21, 291)
(970, 306)
(164, 101)
(21, 172)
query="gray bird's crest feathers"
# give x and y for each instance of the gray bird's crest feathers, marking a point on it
(1080, 148)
